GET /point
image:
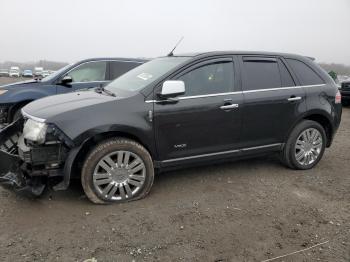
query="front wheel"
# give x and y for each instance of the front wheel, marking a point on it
(117, 170)
(305, 145)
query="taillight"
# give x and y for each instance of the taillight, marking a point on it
(338, 97)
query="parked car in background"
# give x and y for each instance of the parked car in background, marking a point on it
(27, 73)
(173, 112)
(4, 73)
(38, 71)
(14, 71)
(345, 92)
(85, 74)
(45, 73)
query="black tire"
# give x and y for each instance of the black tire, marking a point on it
(288, 153)
(105, 148)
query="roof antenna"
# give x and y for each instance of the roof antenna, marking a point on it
(172, 51)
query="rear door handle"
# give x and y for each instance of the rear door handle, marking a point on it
(294, 98)
(231, 106)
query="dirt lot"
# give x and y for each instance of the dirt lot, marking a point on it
(250, 210)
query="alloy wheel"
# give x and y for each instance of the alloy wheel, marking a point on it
(119, 175)
(308, 146)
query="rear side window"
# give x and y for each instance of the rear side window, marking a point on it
(305, 74)
(261, 74)
(118, 68)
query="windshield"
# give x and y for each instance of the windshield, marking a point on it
(145, 74)
(58, 72)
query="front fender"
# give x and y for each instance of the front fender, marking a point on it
(139, 133)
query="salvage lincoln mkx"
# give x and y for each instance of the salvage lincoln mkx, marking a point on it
(172, 112)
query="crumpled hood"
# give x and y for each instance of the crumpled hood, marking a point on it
(52, 106)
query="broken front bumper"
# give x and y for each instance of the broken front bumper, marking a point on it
(28, 167)
(13, 172)
(10, 163)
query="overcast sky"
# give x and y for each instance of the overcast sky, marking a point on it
(69, 30)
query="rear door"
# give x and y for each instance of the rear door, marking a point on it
(206, 119)
(86, 75)
(272, 101)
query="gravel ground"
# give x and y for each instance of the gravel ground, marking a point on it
(250, 210)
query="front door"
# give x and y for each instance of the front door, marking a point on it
(86, 75)
(206, 120)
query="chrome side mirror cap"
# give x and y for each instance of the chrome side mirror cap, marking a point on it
(172, 88)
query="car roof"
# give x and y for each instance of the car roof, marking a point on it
(217, 53)
(124, 59)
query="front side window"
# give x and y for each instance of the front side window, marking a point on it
(305, 74)
(261, 74)
(209, 79)
(89, 72)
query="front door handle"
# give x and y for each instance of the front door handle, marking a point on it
(294, 98)
(230, 106)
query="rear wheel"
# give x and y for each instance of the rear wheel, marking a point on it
(117, 170)
(305, 145)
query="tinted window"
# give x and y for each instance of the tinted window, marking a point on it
(286, 78)
(145, 74)
(209, 79)
(261, 74)
(88, 72)
(119, 68)
(305, 74)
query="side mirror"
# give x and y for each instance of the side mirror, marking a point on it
(172, 88)
(66, 80)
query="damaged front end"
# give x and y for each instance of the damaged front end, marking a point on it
(27, 165)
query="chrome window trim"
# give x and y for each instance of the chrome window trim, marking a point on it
(209, 95)
(199, 96)
(280, 88)
(38, 119)
(235, 93)
(220, 153)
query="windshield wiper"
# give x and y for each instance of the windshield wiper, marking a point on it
(102, 89)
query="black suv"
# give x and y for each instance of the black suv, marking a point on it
(173, 112)
(345, 92)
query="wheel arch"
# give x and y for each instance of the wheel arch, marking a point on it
(92, 141)
(321, 118)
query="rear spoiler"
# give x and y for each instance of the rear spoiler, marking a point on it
(311, 58)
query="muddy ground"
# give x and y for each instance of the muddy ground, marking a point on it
(250, 210)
